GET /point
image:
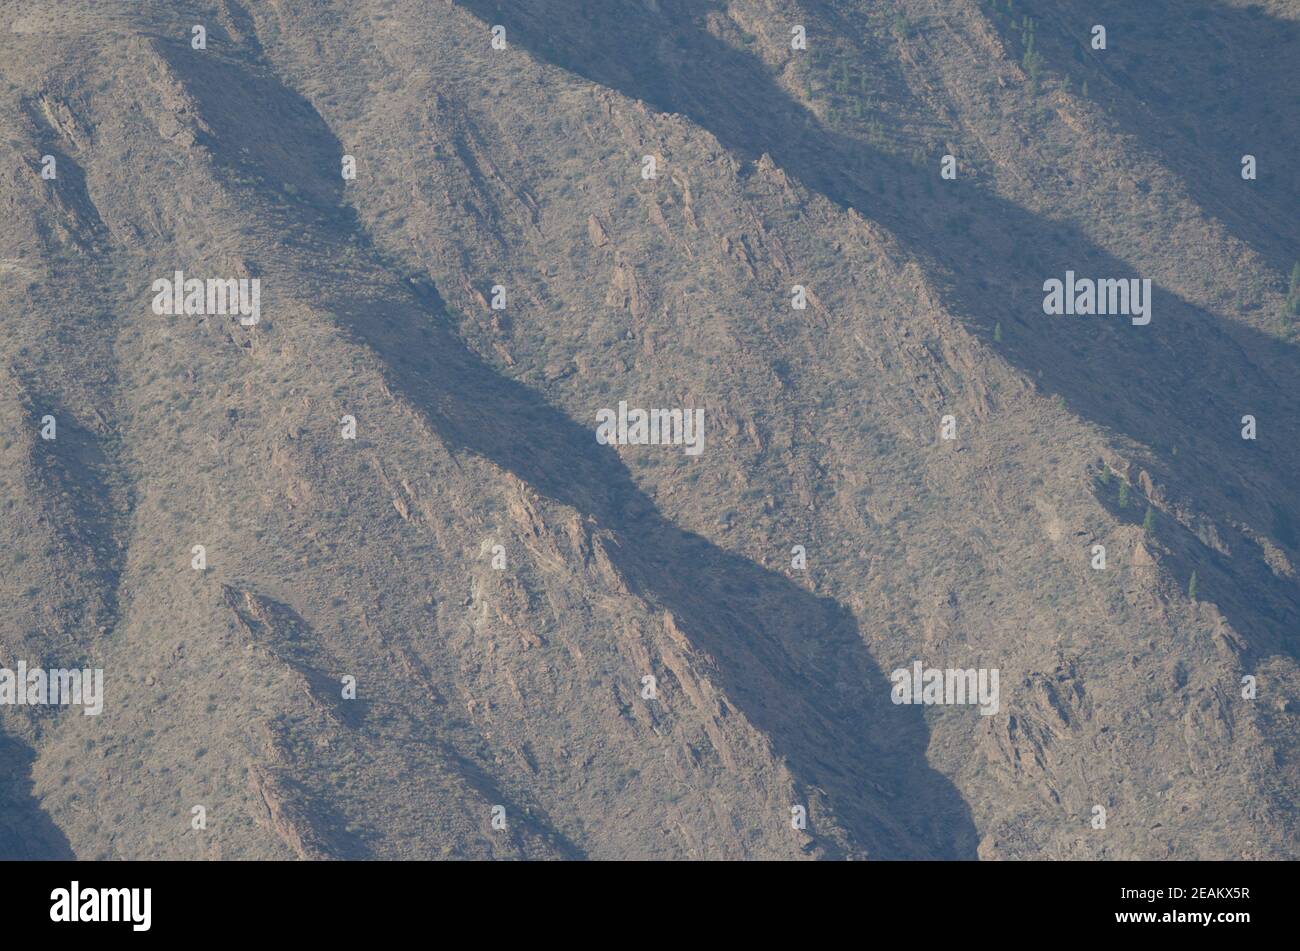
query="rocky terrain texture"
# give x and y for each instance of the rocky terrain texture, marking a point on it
(522, 687)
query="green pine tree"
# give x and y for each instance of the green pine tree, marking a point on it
(997, 332)
(1191, 587)
(1149, 520)
(1292, 308)
(1123, 495)
(1032, 63)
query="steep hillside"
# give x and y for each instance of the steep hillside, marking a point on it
(497, 582)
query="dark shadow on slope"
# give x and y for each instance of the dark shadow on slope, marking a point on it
(278, 628)
(793, 663)
(78, 473)
(1238, 587)
(83, 498)
(307, 823)
(535, 822)
(1182, 382)
(67, 192)
(26, 831)
(1202, 84)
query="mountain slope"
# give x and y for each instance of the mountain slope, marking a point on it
(521, 686)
